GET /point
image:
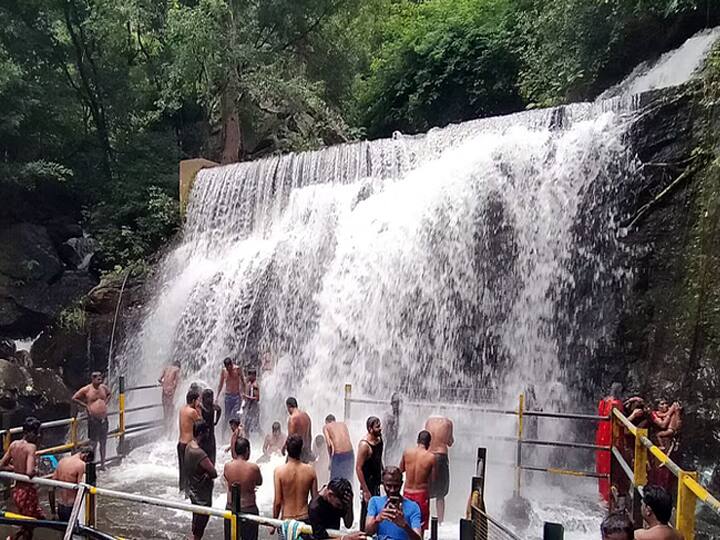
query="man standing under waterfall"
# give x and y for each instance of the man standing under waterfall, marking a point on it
(169, 381)
(299, 424)
(418, 464)
(342, 457)
(94, 398)
(188, 416)
(369, 465)
(232, 378)
(441, 432)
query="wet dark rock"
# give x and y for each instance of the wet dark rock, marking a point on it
(7, 348)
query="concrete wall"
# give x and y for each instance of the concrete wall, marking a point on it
(188, 171)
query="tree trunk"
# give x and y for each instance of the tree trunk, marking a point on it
(231, 136)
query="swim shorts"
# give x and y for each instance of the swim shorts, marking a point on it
(25, 497)
(342, 466)
(441, 486)
(97, 428)
(422, 498)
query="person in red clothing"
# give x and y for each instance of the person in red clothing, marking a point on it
(603, 437)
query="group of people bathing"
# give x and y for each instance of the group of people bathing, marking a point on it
(330, 463)
(664, 423)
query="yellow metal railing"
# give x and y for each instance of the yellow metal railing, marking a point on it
(689, 490)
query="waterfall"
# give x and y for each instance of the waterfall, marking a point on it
(482, 255)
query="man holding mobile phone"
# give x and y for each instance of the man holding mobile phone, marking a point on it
(393, 517)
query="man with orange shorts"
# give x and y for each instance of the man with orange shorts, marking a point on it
(20, 458)
(418, 464)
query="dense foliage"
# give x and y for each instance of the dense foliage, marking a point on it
(101, 98)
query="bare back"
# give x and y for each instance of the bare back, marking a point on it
(247, 475)
(441, 430)
(70, 469)
(188, 415)
(338, 438)
(658, 532)
(22, 457)
(295, 482)
(417, 463)
(299, 423)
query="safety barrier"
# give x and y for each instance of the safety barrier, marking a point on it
(689, 491)
(75, 422)
(519, 440)
(91, 492)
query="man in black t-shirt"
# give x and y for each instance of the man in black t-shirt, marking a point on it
(332, 504)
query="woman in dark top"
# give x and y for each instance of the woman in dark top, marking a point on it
(211, 414)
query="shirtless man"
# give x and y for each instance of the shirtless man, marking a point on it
(342, 457)
(20, 458)
(418, 464)
(299, 423)
(274, 442)
(295, 483)
(232, 379)
(441, 433)
(247, 475)
(369, 465)
(187, 416)
(94, 398)
(169, 381)
(70, 469)
(656, 509)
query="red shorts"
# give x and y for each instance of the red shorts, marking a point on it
(422, 498)
(25, 497)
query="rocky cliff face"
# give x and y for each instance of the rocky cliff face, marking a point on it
(44, 258)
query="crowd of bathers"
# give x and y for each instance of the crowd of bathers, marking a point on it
(314, 484)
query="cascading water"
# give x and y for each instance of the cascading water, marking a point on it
(421, 264)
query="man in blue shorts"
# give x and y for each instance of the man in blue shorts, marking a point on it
(393, 517)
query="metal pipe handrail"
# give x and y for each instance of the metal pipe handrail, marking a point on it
(495, 522)
(142, 387)
(566, 472)
(566, 444)
(623, 464)
(483, 409)
(154, 501)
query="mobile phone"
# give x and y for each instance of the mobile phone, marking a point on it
(395, 501)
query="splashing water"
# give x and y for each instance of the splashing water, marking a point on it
(479, 255)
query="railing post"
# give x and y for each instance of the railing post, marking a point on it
(90, 499)
(348, 396)
(686, 502)
(434, 528)
(7, 439)
(553, 531)
(73, 432)
(518, 464)
(236, 505)
(121, 415)
(640, 459)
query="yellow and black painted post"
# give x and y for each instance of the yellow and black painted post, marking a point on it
(90, 497)
(121, 415)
